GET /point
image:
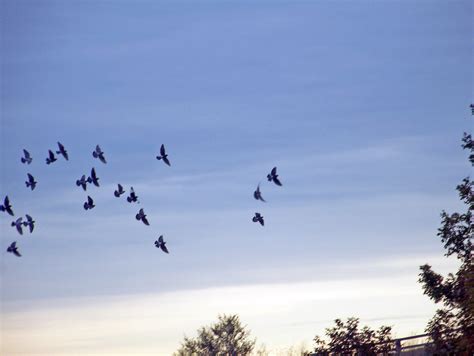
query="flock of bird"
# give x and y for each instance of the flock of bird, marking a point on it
(89, 204)
(82, 182)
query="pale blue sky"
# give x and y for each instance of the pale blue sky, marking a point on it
(361, 105)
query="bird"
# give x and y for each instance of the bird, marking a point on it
(7, 206)
(273, 176)
(62, 151)
(163, 156)
(18, 224)
(13, 249)
(132, 197)
(82, 182)
(27, 158)
(258, 218)
(31, 182)
(160, 243)
(472, 108)
(119, 191)
(30, 223)
(142, 216)
(89, 204)
(258, 195)
(98, 153)
(93, 178)
(51, 157)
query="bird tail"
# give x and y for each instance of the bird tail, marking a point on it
(159, 158)
(28, 184)
(116, 193)
(2, 208)
(23, 160)
(48, 161)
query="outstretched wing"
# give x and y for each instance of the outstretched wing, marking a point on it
(51, 155)
(160, 239)
(162, 150)
(27, 154)
(166, 160)
(90, 201)
(145, 220)
(16, 253)
(277, 181)
(274, 171)
(102, 158)
(163, 248)
(31, 179)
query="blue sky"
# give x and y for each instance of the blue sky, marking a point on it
(361, 105)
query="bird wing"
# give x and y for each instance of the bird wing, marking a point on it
(141, 212)
(102, 158)
(16, 253)
(98, 150)
(277, 181)
(145, 220)
(162, 150)
(51, 155)
(13, 244)
(120, 188)
(18, 226)
(29, 218)
(166, 160)
(31, 179)
(27, 154)
(89, 200)
(163, 248)
(274, 171)
(160, 239)
(65, 154)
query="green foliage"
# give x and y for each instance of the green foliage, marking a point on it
(347, 339)
(227, 337)
(452, 327)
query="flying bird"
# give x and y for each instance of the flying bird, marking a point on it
(89, 204)
(472, 108)
(98, 153)
(62, 151)
(51, 157)
(119, 191)
(7, 206)
(163, 156)
(258, 218)
(27, 157)
(30, 223)
(18, 223)
(273, 176)
(132, 197)
(258, 195)
(93, 178)
(142, 216)
(31, 182)
(160, 243)
(82, 182)
(13, 249)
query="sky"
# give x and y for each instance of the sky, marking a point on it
(361, 106)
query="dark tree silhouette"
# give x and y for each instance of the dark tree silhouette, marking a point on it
(347, 339)
(452, 327)
(227, 337)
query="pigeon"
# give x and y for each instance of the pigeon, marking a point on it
(273, 176)
(258, 195)
(98, 153)
(160, 243)
(51, 157)
(119, 191)
(142, 216)
(62, 151)
(258, 218)
(31, 182)
(7, 206)
(18, 224)
(13, 249)
(82, 182)
(27, 158)
(30, 223)
(132, 196)
(89, 204)
(93, 178)
(163, 156)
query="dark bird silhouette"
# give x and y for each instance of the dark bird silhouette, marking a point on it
(98, 153)
(7, 206)
(273, 176)
(13, 249)
(27, 157)
(142, 216)
(160, 243)
(29, 222)
(82, 182)
(62, 151)
(89, 204)
(132, 197)
(93, 178)
(258, 218)
(472, 108)
(31, 182)
(51, 158)
(119, 191)
(258, 195)
(18, 223)
(163, 156)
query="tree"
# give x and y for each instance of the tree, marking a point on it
(452, 327)
(227, 337)
(347, 339)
